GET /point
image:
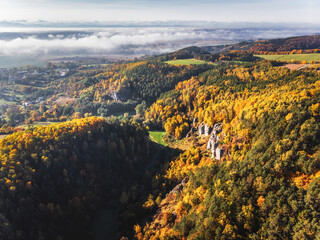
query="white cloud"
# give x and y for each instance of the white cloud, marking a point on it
(122, 40)
(99, 42)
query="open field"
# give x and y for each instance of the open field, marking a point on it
(298, 66)
(121, 113)
(293, 66)
(299, 57)
(156, 136)
(35, 124)
(25, 85)
(42, 123)
(95, 65)
(6, 102)
(64, 100)
(186, 62)
(16, 94)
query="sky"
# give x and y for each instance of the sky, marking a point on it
(286, 11)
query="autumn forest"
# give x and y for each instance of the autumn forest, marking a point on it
(216, 142)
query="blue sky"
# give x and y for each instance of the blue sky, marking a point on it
(163, 10)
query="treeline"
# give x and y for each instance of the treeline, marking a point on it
(287, 44)
(202, 54)
(281, 45)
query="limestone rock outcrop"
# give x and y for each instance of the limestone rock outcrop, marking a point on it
(213, 143)
(201, 129)
(204, 129)
(193, 127)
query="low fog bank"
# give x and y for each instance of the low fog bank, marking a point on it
(131, 41)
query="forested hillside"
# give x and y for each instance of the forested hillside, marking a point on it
(266, 184)
(132, 81)
(55, 179)
(239, 155)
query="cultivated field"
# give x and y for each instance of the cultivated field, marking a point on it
(293, 66)
(65, 100)
(186, 62)
(2, 101)
(299, 57)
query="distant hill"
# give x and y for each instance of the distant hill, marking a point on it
(243, 51)
(185, 53)
(203, 53)
(273, 45)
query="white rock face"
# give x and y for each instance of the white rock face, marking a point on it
(219, 153)
(206, 129)
(201, 129)
(213, 143)
(193, 127)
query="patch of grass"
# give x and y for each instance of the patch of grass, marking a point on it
(156, 136)
(25, 85)
(97, 64)
(35, 124)
(287, 58)
(42, 123)
(235, 62)
(187, 62)
(12, 93)
(118, 114)
(6, 102)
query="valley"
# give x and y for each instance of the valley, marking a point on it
(214, 142)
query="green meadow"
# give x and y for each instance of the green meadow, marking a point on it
(287, 58)
(156, 136)
(190, 61)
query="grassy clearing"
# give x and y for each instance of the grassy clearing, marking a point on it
(36, 124)
(6, 102)
(16, 94)
(42, 123)
(299, 57)
(119, 114)
(187, 62)
(156, 136)
(25, 85)
(94, 65)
